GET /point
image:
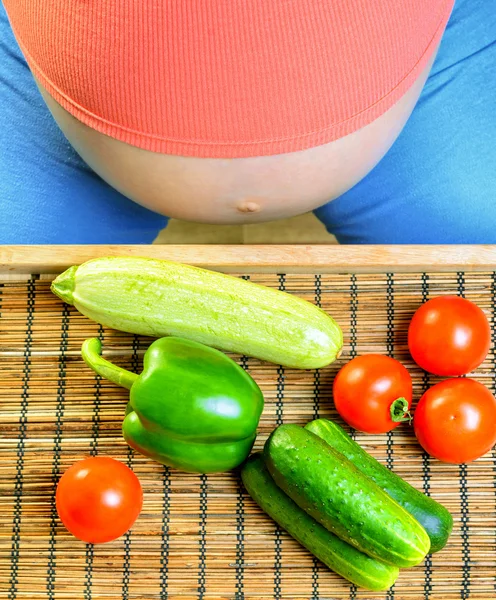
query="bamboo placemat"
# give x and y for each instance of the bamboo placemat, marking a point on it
(202, 536)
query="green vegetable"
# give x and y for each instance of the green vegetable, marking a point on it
(334, 492)
(339, 556)
(192, 407)
(434, 518)
(159, 298)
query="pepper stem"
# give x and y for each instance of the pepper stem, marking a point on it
(90, 352)
(399, 411)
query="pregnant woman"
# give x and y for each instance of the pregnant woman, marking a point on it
(377, 114)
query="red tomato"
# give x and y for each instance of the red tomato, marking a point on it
(449, 336)
(366, 387)
(455, 420)
(98, 499)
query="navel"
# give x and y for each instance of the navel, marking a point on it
(248, 206)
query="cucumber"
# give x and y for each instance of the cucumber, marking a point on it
(341, 498)
(433, 517)
(339, 556)
(159, 298)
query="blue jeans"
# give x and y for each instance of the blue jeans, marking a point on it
(437, 184)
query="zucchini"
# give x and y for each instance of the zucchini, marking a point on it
(159, 298)
(433, 517)
(341, 498)
(339, 556)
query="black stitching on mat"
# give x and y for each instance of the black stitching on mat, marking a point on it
(390, 352)
(135, 362)
(390, 314)
(126, 570)
(279, 420)
(164, 554)
(277, 543)
(280, 395)
(280, 371)
(353, 315)
(353, 354)
(316, 376)
(315, 579)
(88, 577)
(203, 534)
(240, 518)
(18, 485)
(127, 561)
(465, 591)
(426, 467)
(277, 564)
(316, 412)
(425, 287)
(240, 543)
(59, 415)
(89, 555)
(316, 394)
(318, 290)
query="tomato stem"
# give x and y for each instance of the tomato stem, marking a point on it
(399, 411)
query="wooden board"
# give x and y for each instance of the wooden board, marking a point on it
(202, 536)
(288, 259)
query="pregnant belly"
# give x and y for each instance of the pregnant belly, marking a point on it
(240, 190)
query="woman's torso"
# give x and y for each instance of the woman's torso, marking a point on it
(232, 187)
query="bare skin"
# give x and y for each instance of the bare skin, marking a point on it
(241, 190)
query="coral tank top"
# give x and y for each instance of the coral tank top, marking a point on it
(227, 78)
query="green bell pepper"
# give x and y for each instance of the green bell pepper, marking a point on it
(192, 408)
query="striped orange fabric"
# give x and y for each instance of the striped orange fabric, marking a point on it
(227, 78)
